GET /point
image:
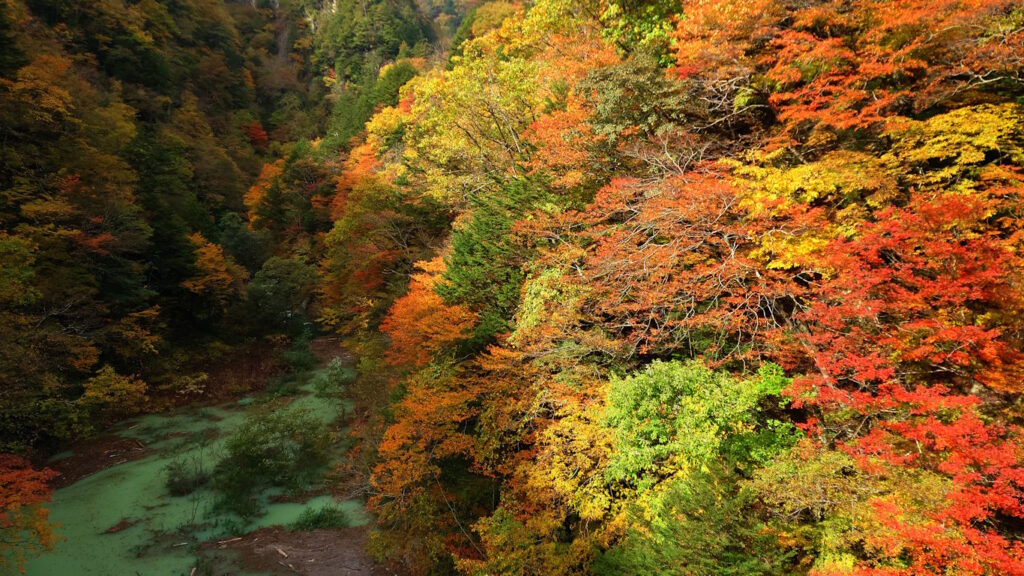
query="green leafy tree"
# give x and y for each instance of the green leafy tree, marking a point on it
(706, 525)
(674, 418)
(272, 448)
(280, 293)
(484, 270)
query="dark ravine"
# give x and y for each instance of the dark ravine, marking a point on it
(152, 303)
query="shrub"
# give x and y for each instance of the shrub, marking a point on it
(184, 477)
(326, 517)
(330, 380)
(282, 448)
(299, 356)
(114, 394)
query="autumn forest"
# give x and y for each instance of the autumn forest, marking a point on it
(560, 287)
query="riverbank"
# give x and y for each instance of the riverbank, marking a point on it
(118, 515)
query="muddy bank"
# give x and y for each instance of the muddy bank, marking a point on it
(314, 553)
(91, 456)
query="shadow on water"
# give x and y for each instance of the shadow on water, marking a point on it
(123, 519)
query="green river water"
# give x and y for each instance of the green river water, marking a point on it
(165, 531)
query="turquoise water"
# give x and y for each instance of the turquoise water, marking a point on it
(164, 532)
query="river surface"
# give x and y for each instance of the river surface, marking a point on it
(123, 521)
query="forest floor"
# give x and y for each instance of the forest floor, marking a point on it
(96, 454)
(314, 553)
(235, 376)
(140, 533)
(275, 550)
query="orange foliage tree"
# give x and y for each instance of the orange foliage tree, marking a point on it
(24, 526)
(830, 186)
(420, 324)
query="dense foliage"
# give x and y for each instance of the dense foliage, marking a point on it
(159, 163)
(730, 288)
(688, 287)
